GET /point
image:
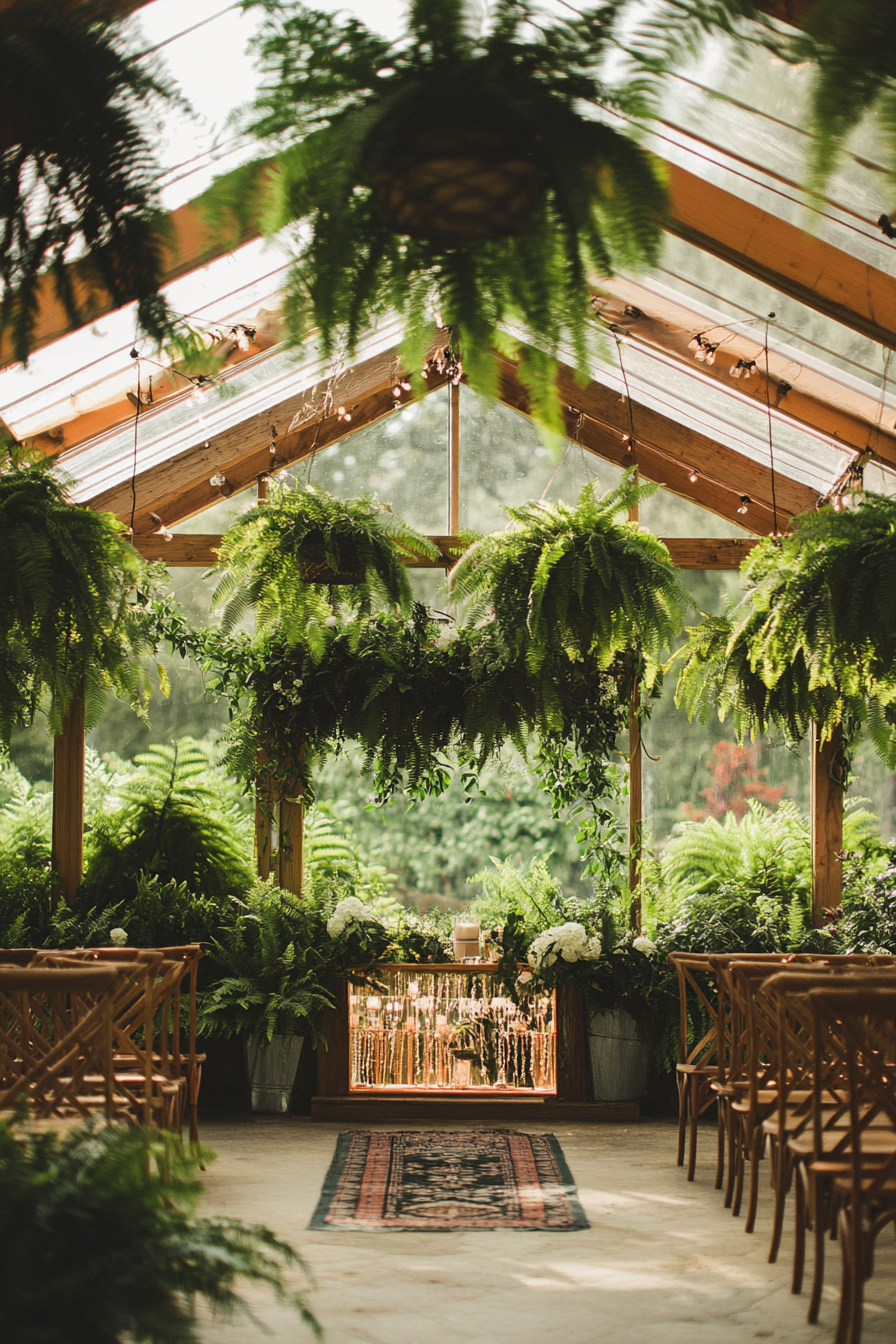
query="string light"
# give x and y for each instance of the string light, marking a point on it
(693, 475)
(745, 502)
(161, 530)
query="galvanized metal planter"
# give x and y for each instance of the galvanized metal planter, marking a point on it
(272, 1071)
(620, 1055)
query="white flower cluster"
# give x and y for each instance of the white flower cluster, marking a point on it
(645, 945)
(118, 937)
(348, 911)
(569, 941)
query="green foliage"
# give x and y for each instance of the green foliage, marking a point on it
(530, 893)
(815, 635)
(101, 1243)
(272, 964)
(435, 844)
(71, 606)
(866, 921)
(170, 825)
(568, 583)
(78, 167)
(262, 553)
(26, 903)
(345, 111)
(745, 885)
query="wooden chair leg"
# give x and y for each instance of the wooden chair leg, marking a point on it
(755, 1158)
(781, 1175)
(720, 1146)
(732, 1159)
(819, 1231)
(845, 1290)
(692, 1132)
(683, 1102)
(740, 1159)
(799, 1230)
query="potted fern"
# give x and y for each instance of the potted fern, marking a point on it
(462, 172)
(73, 615)
(78, 165)
(273, 977)
(274, 557)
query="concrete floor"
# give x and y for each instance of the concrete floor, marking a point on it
(663, 1262)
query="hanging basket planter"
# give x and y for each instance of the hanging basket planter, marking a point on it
(315, 568)
(457, 184)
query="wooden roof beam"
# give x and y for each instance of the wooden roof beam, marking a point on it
(667, 452)
(181, 487)
(799, 393)
(200, 549)
(786, 258)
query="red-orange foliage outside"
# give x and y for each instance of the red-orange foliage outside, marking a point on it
(736, 780)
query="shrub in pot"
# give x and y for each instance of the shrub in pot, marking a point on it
(273, 981)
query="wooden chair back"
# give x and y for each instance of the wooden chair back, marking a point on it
(56, 1029)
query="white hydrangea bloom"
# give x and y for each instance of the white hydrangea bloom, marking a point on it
(118, 937)
(569, 941)
(645, 945)
(348, 911)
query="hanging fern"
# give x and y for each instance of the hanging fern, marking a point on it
(815, 635)
(78, 169)
(71, 602)
(452, 172)
(261, 556)
(570, 583)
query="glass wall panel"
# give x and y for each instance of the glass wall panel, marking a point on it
(403, 459)
(669, 515)
(695, 769)
(503, 460)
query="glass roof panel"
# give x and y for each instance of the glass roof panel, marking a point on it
(403, 459)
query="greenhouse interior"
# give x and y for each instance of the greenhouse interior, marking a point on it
(447, 671)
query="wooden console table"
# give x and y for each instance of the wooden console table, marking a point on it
(337, 1101)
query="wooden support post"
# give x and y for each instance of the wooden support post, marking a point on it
(635, 811)
(68, 802)
(263, 828)
(827, 792)
(292, 841)
(453, 459)
(635, 789)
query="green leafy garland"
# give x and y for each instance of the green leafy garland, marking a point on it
(73, 608)
(353, 118)
(815, 635)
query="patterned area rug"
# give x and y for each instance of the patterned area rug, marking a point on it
(436, 1181)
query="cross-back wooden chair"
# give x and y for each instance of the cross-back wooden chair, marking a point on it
(56, 1036)
(794, 1143)
(181, 1069)
(150, 1095)
(856, 1027)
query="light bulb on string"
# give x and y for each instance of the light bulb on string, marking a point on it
(693, 475)
(745, 502)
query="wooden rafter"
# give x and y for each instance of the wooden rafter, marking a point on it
(200, 550)
(785, 257)
(788, 259)
(666, 451)
(810, 399)
(181, 487)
